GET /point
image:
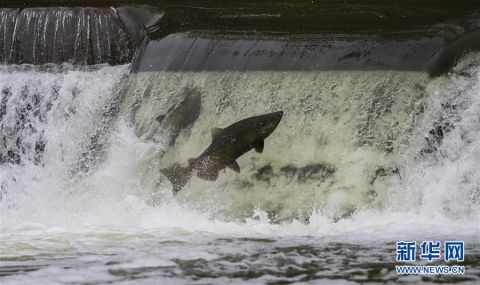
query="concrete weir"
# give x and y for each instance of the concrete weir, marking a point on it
(239, 142)
(81, 36)
(227, 35)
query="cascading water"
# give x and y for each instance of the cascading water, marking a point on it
(56, 35)
(355, 160)
(370, 151)
(334, 144)
(47, 120)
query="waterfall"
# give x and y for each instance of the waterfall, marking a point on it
(81, 36)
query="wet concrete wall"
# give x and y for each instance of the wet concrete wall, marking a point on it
(81, 36)
(250, 35)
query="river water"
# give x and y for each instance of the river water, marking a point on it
(357, 164)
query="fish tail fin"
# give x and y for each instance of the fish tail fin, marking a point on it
(177, 175)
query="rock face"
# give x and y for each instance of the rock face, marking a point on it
(81, 36)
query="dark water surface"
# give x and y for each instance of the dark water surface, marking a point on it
(202, 258)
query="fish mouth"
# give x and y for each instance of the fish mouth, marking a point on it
(277, 116)
(271, 124)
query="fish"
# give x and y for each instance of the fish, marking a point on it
(227, 145)
(180, 116)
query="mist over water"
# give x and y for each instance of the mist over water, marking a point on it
(353, 164)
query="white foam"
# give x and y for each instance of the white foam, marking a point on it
(117, 198)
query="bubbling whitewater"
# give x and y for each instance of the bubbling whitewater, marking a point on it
(347, 173)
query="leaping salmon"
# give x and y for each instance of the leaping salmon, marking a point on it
(227, 145)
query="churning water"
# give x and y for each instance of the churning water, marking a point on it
(361, 160)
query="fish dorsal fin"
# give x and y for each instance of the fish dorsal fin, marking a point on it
(216, 132)
(191, 161)
(234, 166)
(259, 146)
